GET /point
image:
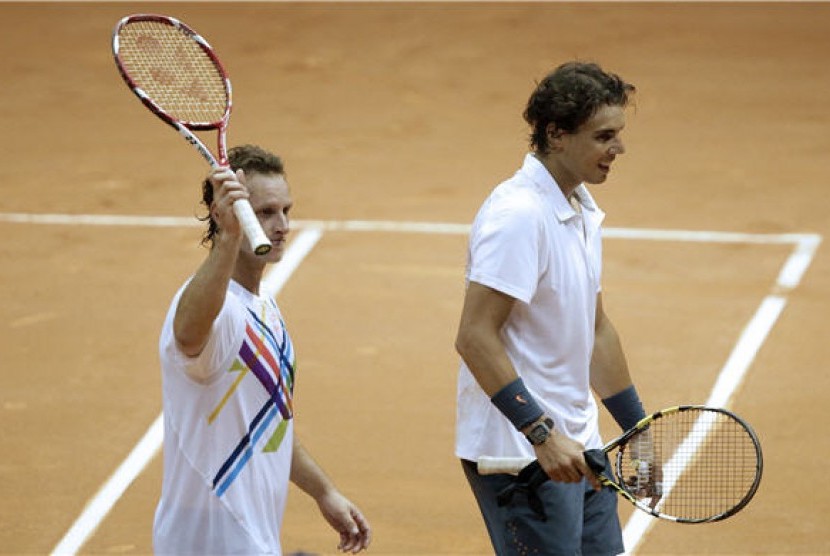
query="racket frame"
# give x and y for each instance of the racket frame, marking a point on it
(242, 208)
(618, 483)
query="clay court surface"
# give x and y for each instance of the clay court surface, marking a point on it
(402, 117)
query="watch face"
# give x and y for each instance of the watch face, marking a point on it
(539, 433)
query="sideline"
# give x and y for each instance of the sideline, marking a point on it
(729, 379)
(752, 338)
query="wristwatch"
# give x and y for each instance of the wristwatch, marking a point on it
(540, 431)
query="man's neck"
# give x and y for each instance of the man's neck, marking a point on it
(561, 176)
(248, 275)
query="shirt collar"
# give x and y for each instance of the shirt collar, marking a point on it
(239, 290)
(536, 171)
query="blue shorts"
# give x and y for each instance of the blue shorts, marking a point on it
(573, 520)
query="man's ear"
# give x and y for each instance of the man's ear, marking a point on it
(555, 136)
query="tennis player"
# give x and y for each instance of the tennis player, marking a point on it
(533, 336)
(228, 372)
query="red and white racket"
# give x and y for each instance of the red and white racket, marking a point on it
(177, 75)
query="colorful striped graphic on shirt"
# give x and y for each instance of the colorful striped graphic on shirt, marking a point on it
(236, 367)
(283, 370)
(271, 361)
(244, 449)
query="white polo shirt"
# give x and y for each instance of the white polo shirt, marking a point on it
(528, 242)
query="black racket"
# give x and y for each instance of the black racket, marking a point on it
(688, 464)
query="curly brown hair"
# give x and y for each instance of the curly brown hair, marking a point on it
(568, 97)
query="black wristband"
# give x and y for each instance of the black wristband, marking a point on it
(625, 407)
(516, 403)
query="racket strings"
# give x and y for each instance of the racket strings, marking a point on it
(173, 70)
(706, 463)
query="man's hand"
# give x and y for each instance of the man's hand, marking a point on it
(646, 479)
(346, 519)
(228, 187)
(563, 460)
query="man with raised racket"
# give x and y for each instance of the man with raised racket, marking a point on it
(228, 372)
(533, 336)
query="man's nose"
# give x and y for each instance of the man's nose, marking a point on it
(282, 222)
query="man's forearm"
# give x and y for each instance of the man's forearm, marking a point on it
(609, 368)
(307, 475)
(611, 379)
(487, 360)
(203, 298)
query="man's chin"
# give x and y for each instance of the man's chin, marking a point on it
(275, 254)
(600, 177)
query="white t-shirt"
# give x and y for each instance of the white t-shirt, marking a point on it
(227, 437)
(528, 242)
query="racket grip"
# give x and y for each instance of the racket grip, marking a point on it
(595, 460)
(250, 225)
(491, 465)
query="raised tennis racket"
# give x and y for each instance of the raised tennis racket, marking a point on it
(177, 75)
(688, 464)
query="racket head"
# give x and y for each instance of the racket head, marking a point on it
(173, 71)
(706, 464)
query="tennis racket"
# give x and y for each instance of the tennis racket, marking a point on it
(177, 75)
(688, 464)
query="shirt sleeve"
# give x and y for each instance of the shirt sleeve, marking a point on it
(222, 345)
(505, 247)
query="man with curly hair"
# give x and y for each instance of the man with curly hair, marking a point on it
(533, 336)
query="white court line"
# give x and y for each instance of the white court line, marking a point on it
(99, 220)
(730, 377)
(101, 504)
(146, 449)
(808, 241)
(743, 354)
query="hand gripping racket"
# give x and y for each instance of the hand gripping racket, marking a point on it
(688, 464)
(177, 75)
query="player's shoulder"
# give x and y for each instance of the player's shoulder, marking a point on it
(515, 198)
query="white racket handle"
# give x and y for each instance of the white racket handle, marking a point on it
(250, 225)
(491, 465)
